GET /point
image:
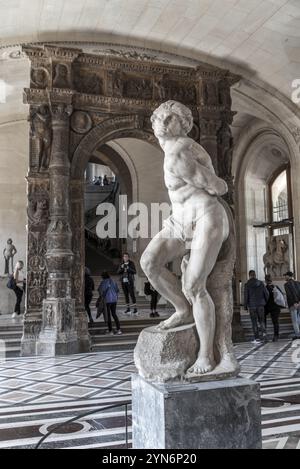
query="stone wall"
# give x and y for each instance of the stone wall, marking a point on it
(13, 201)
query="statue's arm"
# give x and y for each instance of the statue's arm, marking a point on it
(193, 172)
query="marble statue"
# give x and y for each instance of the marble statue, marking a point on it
(9, 252)
(200, 231)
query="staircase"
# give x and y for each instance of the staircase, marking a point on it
(131, 326)
(285, 325)
(11, 331)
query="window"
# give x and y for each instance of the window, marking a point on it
(279, 196)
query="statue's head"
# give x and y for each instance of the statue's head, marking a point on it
(9, 241)
(172, 119)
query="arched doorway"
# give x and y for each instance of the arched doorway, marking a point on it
(99, 100)
(265, 207)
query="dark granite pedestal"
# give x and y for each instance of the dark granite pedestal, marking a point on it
(217, 414)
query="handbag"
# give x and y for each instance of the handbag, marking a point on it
(101, 307)
(11, 282)
(279, 299)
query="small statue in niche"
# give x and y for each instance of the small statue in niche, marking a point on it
(8, 252)
(160, 88)
(40, 131)
(61, 79)
(39, 77)
(225, 144)
(38, 211)
(118, 84)
(210, 93)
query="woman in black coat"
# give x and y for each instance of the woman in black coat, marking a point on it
(272, 308)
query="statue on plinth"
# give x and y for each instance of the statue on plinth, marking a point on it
(200, 232)
(8, 253)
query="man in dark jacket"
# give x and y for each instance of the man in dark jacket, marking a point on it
(127, 271)
(255, 298)
(292, 289)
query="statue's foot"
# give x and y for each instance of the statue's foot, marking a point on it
(176, 320)
(229, 364)
(201, 366)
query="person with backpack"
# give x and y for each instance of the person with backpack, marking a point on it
(292, 289)
(109, 291)
(150, 291)
(255, 298)
(89, 287)
(275, 302)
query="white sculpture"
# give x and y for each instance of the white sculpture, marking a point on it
(200, 231)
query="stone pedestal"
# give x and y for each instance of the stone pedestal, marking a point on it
(58, 336)
(164, 355)
(218, 414)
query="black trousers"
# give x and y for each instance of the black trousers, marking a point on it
(111, 312)
(275, 320)
(19, 295)
(87, 301)
(128, 289)
(153, 302)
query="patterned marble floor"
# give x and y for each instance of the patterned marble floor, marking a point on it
(38, 393)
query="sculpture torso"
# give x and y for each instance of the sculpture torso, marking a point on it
(188, 200)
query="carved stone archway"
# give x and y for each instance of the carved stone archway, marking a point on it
(79, 102)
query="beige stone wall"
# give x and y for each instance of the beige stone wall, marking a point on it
(13, 169)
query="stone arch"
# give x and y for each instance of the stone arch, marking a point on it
(253, 170)
(109, 129)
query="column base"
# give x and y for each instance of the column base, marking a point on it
(51, 347)
(209, 415)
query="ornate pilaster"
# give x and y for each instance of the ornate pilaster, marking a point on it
(38, 219)
(58, 335)
(78, 248)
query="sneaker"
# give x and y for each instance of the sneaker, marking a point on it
(152, 315)
(156, 314)
(14, 315)
(119, 332)
(135, 311)
(107, 332)
(127, 311)
(256, 342)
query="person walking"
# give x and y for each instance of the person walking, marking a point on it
(149, 290)
(89, 287)
(255, 298)
(292, 289)
(19, 285)
(272, 306)
(110, 290)
(127, 271)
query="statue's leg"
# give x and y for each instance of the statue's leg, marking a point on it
(161, 250)
(209, 236)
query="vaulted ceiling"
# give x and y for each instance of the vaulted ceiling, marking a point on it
(258, 38)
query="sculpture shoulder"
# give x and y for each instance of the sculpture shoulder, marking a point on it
(193, 151)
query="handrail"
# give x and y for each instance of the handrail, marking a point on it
(91, 213)
(85, 414)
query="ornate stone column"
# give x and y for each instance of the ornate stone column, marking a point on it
(78, 248)
(58, 335)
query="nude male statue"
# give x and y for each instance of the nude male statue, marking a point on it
(195, 232)
(8, 253)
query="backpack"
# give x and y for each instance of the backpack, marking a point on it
(279, 299)
(11, 282)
